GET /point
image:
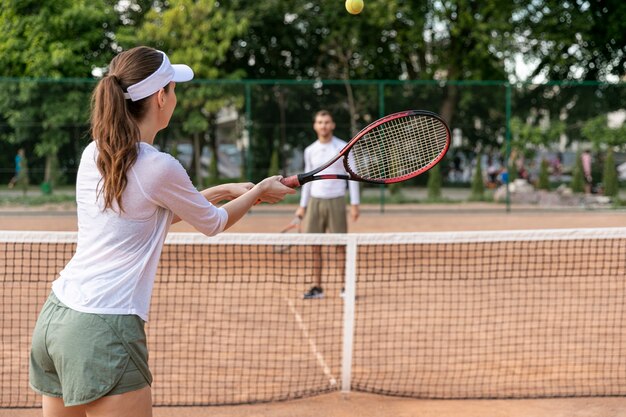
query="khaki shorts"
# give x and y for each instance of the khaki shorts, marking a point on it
(326, 215)
(81, 357)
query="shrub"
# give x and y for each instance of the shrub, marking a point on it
(478, 184)
(434, 183)
(544, 176)
(578, 181)
(609, 175)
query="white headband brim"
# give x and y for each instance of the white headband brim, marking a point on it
(160, 78)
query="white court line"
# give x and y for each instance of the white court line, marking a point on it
(320, 359)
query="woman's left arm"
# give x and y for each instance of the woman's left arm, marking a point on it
(223, 192)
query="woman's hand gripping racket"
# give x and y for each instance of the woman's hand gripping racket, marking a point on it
(396, 148)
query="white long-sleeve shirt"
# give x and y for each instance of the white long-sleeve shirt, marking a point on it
(113, 269)
(318, 154)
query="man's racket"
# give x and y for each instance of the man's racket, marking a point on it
(396, 148)
(293, 226)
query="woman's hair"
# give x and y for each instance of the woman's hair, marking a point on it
(114, 119)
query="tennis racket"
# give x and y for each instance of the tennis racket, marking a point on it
(396, 148)
(293, 226)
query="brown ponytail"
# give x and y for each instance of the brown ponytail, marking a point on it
(114, 119)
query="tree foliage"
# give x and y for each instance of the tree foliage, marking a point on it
(610, 182)
(198, 33)
(544, 176)
(54, 39)
(598, 132)
(578, 180)
(478, 182)
(533, 135)
(438, 41)
(434, 183)
(50, 39)
(574, 40)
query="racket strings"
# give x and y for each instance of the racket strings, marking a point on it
(398, 147)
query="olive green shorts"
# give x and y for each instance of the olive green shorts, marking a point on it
(326, 215)
(81, 357)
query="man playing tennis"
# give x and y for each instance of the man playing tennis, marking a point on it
(323, 203)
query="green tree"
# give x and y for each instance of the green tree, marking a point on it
(50, 39)
(434, 183)
(544, 176)
(588, 45)
(478, 183)
(597, 131)
(23, 179)
(390, 40)
(401, 40)
(198, 33)
(530, 136)
(578, 181)
(274, 163)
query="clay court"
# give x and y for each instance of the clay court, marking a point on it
(399, 218)
(394, 219)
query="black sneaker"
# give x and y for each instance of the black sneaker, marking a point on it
(314, 292)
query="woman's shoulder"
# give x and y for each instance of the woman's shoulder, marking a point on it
(154, 163)
(150, 154)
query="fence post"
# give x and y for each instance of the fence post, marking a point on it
(248, 154)
(508, 145)
(381, 113)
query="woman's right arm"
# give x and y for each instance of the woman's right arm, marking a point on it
(219, 193)
(167, 184)
(270, 190)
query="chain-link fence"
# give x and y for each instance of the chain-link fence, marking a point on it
(531, 137)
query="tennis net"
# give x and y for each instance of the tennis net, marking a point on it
(515, 314)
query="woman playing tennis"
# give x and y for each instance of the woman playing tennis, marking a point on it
(89, 354)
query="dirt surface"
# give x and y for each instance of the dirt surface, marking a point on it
(401, 218)
(419, 218)
(367, 405)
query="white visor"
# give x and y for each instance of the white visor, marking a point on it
(159, 79)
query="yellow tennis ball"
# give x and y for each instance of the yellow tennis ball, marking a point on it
(354, 6)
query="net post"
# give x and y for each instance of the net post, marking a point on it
(348, 313)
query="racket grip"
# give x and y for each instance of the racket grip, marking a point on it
(291, 181)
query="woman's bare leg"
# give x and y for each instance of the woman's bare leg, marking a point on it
(136, 403)
(54, 407)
